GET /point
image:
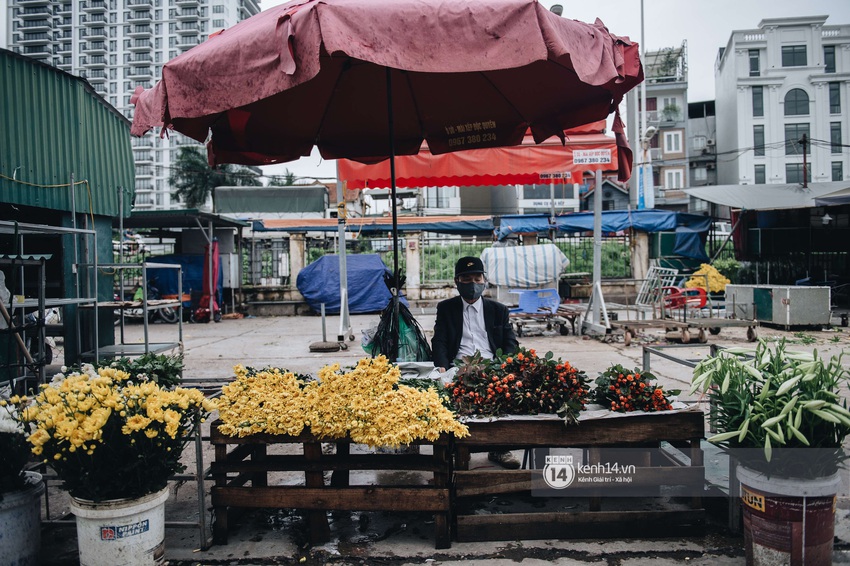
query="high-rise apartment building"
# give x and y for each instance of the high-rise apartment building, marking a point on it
(118, 45)
(775, 84)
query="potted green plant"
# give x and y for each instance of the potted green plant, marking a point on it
(782, 416)
(114, 443)
(20, 492)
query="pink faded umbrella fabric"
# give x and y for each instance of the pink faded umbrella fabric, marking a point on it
(462, 75)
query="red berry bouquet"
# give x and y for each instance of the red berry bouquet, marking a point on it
(518, 384)
(623, 391)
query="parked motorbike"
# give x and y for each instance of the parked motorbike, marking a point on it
(168, 315)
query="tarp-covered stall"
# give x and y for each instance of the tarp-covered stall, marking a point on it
(690, 229)
(367, 292)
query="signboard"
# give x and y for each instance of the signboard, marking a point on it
(547, 203)
(592, 156)
(556, 175)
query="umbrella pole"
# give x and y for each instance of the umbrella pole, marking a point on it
(344, 320)
(599, 323)
(396, 290)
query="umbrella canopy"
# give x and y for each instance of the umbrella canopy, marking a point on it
(528, 163)
(371, 79)
(768, 197)
(463, 75)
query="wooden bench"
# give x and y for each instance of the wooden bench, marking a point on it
(248, 462)
(680, 464)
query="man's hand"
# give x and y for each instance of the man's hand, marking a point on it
(442, 370)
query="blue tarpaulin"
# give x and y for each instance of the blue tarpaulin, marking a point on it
(367, 292)
(193, 274)
(687, 240)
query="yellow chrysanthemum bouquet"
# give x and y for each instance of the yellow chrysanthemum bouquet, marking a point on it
(365, 404)
(708, 275)
(109, 438)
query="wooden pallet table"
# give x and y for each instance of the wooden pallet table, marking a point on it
(680, 463)
(242, 466)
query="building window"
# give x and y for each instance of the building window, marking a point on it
(672, 142)
(758, 140)
(700, 174)
(794, 56)
(793, 135)
(829, 59)
(698, 142)
(758, 101)
(754, 63)
(834, 98)
(794, 173)
(440, 197)
(218, 9)
(759, 175)
(673, 179)
(837, 171)
(797, 102)
(218, 23)
(835, 137)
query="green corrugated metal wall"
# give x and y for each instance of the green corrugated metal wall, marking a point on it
(53, 125)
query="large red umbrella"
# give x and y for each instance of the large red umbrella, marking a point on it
(371, 79)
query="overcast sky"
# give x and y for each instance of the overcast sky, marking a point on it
(705, 25)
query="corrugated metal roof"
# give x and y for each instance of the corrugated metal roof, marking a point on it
(52, 125)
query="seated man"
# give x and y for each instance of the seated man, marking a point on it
(470, 323)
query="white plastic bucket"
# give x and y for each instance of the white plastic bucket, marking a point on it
(787, 520)
(20, 523)
(121, 532)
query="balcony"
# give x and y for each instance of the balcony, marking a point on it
(140, 73)
(144, 157)
(95, 62)
(140, 17)
(36, 13)
(188, 14)
(95, 20)
(139, 58)
(96, 76)
(138, 4)
(36, 25)
(188, 3)
(40, 38)
(95, 34)
(189, 28)
(140, 31)
(188, 43)
(95, 7)
(96, 47)
(141, 45)
(31, 3)
(37, 51)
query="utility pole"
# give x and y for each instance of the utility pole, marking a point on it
(804, 142)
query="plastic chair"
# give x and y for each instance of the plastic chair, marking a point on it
(676, 297)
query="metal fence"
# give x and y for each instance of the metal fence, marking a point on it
(616, 255)
(266, 262)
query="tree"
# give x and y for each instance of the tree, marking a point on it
(286, 180)
(193, 179)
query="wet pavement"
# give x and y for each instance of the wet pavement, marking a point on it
(279, 536)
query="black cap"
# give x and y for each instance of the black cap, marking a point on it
(468, 264)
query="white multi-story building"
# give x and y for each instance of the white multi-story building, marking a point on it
(118, 45)
(775, 84)
(664, 144)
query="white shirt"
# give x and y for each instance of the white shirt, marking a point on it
(474, 337)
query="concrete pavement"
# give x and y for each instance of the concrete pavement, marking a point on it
(278, 537)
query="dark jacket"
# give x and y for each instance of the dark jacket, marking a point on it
(448, 330)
